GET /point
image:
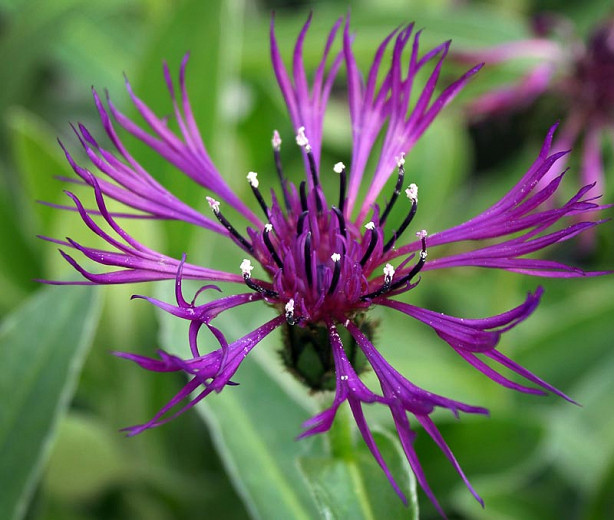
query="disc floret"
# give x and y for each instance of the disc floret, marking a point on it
(318, 266)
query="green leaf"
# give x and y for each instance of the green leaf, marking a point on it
(33, 23)
(352, 487)
(18, 268)
(86, 459)
(254, 429)
(42, 348)
(602, 499)
(38, 159)
(581, 443)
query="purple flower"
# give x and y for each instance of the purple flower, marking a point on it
(322, 260)
(579, 75)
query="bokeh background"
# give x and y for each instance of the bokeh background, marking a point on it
(64, 397)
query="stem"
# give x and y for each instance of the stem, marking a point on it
(340, 435)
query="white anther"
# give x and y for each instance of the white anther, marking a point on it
(290, 307)
(252, 177)
(246, 268)
(412, 192)
(214, 204)
(276, 141)
(388, 272)
(301, 139)
(400, 160)
(335, 257)
(422, 234)
(370, 225)
(268, 228)
(339, 167)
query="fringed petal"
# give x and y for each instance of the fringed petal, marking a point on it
(213, 371)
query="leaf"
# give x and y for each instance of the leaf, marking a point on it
(39, 159)
(581, 444)
(42, 348)
(19, 264)
(32, 23)
(86, 460)
(256, 439)
(602, 500)
(100, 42)
(349, 487)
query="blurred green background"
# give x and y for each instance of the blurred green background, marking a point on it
(64, 397)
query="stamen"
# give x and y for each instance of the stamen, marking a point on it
(215, 206)
(301, 222)
(412, 194)
(340, 169)
(397, 189)
(246, 270)
(388, 274)
(301, 139)
(290, 312)
(341, 219)
(336, 258)
(371, 227)
(267, 241)
(303, 142)
(303, 193)
(423, 254)
(276, 142)
(308, 259)
(252, 177)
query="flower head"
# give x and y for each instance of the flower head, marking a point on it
(578, 74)
(323, 259)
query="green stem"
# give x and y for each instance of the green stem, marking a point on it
(340, 435)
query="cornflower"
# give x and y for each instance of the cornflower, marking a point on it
(578, 75)
(322, 260)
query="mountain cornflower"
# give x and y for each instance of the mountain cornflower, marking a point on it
(578, 75)
(322, 260)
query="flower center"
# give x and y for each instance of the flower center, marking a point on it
(320, 263)
(595, 73)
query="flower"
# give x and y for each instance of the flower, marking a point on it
(322, 265)
(579, 75)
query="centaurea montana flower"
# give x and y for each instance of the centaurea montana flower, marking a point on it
(578, 75)
(322, 265)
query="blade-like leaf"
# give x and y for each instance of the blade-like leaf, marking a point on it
(42, 348)
(354, 487)
(38, 159)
